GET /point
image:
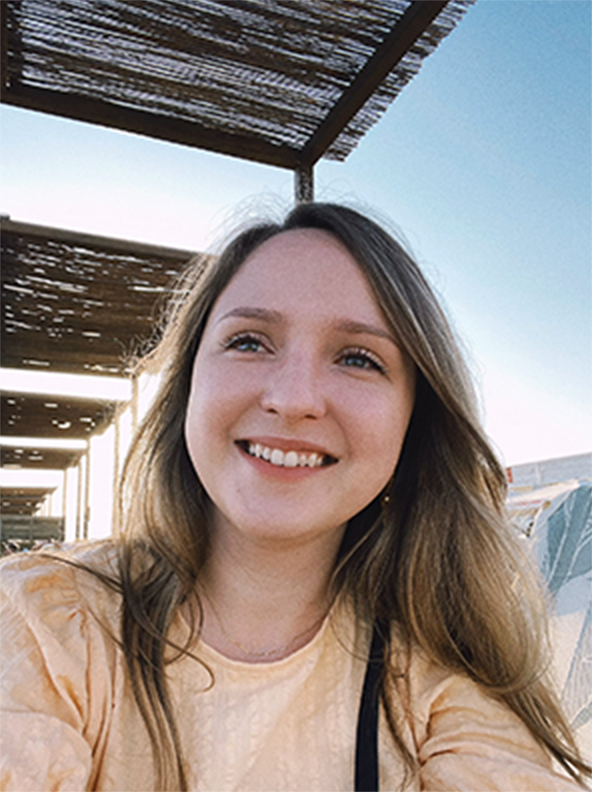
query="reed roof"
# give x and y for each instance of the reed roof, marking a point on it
(282, 82)
(79, 303)
(53, 417)
(39, 458)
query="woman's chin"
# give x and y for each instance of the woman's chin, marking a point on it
(278, 527)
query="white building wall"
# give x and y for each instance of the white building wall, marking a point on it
(551, 471)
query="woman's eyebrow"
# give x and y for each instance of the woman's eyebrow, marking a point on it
(357, 328)
(275, 317)
(247, 312)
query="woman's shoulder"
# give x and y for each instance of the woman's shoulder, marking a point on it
(62, 560)
(60, 579)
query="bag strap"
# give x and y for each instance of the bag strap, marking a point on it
(366, 770)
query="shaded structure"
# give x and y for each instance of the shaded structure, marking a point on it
(57, 417)
(39, 457)
(21, 525)
(79, 303)
(23, 531)
(20, 532)
(23, 501)
(282, 83)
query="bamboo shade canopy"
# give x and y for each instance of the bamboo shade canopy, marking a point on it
(23, 501)
(79, 303)
(55, 417)
(45, 458)
(282, 82)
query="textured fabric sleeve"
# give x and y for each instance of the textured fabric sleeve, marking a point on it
(54, 696)
(470, 742)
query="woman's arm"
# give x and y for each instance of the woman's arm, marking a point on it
(473, 742)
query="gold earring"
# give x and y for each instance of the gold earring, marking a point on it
(385, 499)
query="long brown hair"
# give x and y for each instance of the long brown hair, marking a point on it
(439, 559)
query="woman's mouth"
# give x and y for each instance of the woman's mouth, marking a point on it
(288, 459)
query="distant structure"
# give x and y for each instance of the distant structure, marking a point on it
(551, 471)
(550, 505)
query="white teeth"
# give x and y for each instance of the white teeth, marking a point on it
(277, 457)
(289, 459)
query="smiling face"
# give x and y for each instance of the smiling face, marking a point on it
(300, 397)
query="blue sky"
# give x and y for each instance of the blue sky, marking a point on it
(483, 163)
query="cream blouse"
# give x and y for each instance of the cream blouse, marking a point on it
(69, 721)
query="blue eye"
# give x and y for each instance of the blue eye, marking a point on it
(360, 358)
(244, 342)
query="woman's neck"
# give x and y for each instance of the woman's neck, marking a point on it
(263, 601)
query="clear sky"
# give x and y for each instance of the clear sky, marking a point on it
(483, 163)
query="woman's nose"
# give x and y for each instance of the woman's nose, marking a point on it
(294, 389)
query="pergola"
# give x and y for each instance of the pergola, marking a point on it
(73, 303)
(279, 82)
(22, 526)
(79, 303)
(23, 502)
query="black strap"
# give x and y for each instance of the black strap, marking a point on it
(366, 778)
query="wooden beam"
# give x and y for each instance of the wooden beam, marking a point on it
(92, 365)
(140, 122)
(415, 21)
(76, 238)
(25, 493)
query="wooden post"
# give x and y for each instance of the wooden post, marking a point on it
(116, 463)
(304, 184)
(65, 495)
(64, 502)
(79, 499)
(135, 403)
(86, 492)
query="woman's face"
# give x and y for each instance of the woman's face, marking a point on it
(300, 397)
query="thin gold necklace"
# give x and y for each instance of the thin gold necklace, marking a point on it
(280, 650)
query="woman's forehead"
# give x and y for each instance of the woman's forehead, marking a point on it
(306, 267)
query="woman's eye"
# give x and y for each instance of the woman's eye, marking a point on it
(244, 343)
(360, 358)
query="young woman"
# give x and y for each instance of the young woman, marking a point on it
(315, 587)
